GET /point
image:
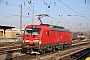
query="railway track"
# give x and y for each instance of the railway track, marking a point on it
(51, 55)
(67, 56)
(3, 50)
(56, 54)
(81, 55)
(77, 55)
(59, 55)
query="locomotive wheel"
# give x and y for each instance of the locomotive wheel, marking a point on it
(23, 51)
(43, 51)
(53, 48)
(61, 48)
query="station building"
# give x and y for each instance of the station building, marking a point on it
(8, 31)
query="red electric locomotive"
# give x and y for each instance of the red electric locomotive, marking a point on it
(44, 37)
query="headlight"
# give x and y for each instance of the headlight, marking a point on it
(26, 41)
(38, 41)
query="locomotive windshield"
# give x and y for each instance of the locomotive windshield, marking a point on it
(32, 31)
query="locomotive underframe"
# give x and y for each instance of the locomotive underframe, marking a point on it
(26, 48)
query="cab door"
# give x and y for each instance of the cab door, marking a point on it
(45, 37)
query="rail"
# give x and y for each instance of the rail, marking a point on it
(10, 52)
(81, 55)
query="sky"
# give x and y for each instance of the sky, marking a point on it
(71, 14)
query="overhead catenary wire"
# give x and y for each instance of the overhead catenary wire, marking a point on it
(29, 10)
(34, 11)
(38, 13)
(59, 15)
(73, 10)
(50, 2)
(45, 3)
(85, 5)
(54, 10)
(70, 23)
(10, 15)
(75, 15)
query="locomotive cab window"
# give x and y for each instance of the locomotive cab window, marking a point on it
(32, 31)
